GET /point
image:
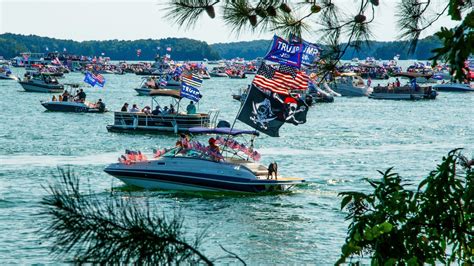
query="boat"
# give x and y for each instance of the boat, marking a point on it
(41, 83)
(350, 85)
(458, 87)
(152, 83)
(218, 72)
(411, 91)
(197, 168)
(73, 106)
(237, 76)
(162, 122)
(6, 73)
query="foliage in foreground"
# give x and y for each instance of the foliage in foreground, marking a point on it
(395, 225)
(85, 228)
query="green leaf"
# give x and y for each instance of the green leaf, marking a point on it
(345, 201)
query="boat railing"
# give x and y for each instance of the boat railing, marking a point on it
(213, 116)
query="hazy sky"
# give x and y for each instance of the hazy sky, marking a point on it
(143, 19)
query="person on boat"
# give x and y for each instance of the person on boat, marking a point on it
(157, 110)
(214, 149)
(81, 96)
(135, 109)
(65, 96)
(60, 98)
(397, 83)
(124, 108)
(172, 111)
(165, 110)
(184, 140)
(54, 98)
(369, 82)
(191, 108)
(100, 105)
(146, 110)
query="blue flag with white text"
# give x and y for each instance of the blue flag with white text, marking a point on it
(284, 52)
(89, 79)
(190, 92)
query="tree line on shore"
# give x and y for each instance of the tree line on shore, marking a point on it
(188, 49)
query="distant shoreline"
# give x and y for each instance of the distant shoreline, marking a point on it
(183, 49)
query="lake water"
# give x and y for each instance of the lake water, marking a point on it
(342, 143)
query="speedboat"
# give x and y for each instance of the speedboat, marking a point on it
(41, 83)
(351, 86)
(196, 168)
(72, 106)
(6, 73)
(458, 87)
(161, 122)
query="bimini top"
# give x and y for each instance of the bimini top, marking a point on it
(166, 92)
(222, 130)
(412, 75)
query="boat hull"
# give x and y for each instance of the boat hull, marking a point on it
(34, 87)
(8, 77)
(188, 174)
(402, 96)
(454, 87)
(71, 107)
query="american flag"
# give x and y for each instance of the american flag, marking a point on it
(99, 78)
(192, 80)
(163, 82)
(288, 70)
(265, 80)
(299, 82)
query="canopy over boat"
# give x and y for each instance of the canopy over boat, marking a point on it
(222, 130)
(412, 75)
(165, 92)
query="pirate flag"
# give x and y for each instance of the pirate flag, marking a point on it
(263, 112)
(294, 109)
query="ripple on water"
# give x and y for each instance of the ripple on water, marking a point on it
(341, 144)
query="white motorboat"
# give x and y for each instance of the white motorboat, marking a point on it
(351, 86)
(197, 168)
(457, 87)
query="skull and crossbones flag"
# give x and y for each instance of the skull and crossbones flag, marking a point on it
(262, 112)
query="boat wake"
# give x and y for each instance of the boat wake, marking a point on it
(14, 161)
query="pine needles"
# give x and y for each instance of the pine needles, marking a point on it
(85, 228)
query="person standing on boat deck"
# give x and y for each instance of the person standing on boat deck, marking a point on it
(191, 108)
(65, 96)
(157, 110)
(81, 95)
(165, 110)
(124, 108)
(172, 111)
(397, 83)
(135, 109)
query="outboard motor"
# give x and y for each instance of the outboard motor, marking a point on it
(223, 123)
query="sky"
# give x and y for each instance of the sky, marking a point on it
(145, 19)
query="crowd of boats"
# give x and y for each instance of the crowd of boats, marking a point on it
(219, 165)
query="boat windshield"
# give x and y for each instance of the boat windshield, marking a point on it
(188, 153)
